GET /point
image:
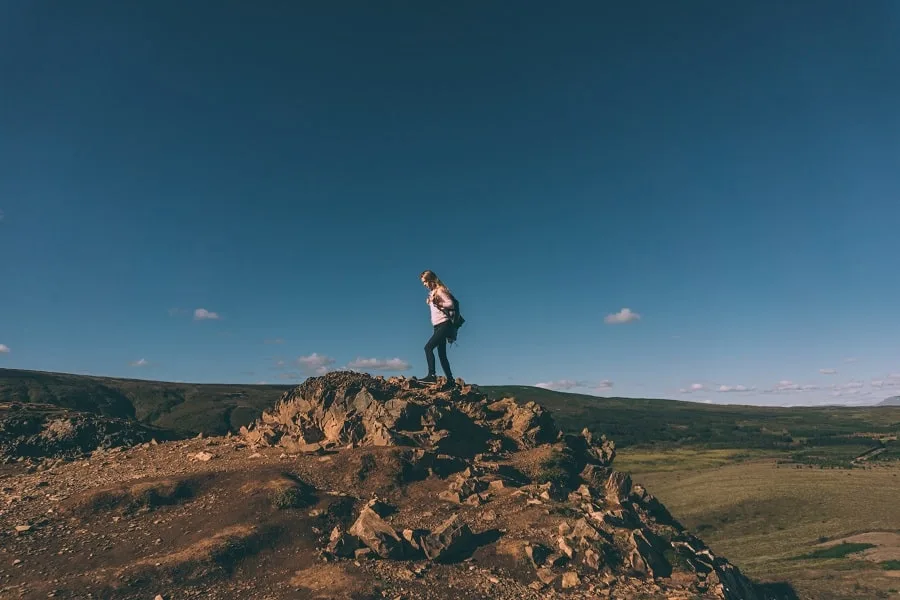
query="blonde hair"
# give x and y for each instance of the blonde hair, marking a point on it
(429, 275)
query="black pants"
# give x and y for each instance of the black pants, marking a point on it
(439, 340)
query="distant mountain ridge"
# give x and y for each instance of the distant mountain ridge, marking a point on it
(216, 409)
(184, 408)
(892, 401)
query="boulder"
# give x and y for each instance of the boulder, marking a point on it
(341, 543)
(448, 541)
(378, 535)
(618, 487)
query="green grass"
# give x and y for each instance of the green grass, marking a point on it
(890, 565)
(822, 436)
(837, 551)
(762, 516)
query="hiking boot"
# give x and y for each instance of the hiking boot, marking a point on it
(429, 379)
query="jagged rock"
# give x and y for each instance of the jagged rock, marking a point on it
(593, 559)
(647, 554)
(585, 531)
(620, 518)
(449, 496)
(727, 582)
(565, 548)
(341, 543)
(449, 540)
(537, 554)
(595, 476)
(570, 579)
(528, 425)
(618, 487)
(414, 538)
(378, 535)
(546, 575)
(38, 430)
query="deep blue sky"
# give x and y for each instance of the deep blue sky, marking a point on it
(728, 171)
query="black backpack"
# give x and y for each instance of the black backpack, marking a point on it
(456, 319)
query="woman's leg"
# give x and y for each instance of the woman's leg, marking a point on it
(433, 343)
(439, 340)
(442, 354)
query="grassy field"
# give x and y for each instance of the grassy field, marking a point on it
(773, 520)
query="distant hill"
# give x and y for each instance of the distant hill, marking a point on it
(215, 409)
(631, 421)
(892, 401)
(184, 408)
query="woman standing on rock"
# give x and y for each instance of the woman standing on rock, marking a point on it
(442, 306)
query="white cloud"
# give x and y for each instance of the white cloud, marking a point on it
(377, 364)
(626, 315)
(316, 363)
(828, 371)
(735, 388)
(786, 385)
(143, 362)
(201, 314)
(562, 384)
(892, 380)
(695, 387)
(605, 384)
(262, 383)
(850, 359)
(4, 349)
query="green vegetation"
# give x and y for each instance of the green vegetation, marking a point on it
(288, 497)
(827, 436)
(890, 565)
(762, 515)
(186, 409)
(838, 550)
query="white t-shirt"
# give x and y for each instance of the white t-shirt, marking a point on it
(439, 298)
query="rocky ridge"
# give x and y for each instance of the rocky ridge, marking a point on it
(588, 527)
(36, 431)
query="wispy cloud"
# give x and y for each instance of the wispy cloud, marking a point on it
(891, 381)
(626, 315)
(828, 371)
(4, 349)
(201, 314)
(694, 387)
(786, 385)
(316, 363)
(274, 341)
(141, 362)
(571, 384)
(262, 383)
(850, 359)
(562, 384)
(377, 364)
(735, 388)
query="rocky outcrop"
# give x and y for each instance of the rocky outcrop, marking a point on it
(42, 431)
(352, 409)
(576, 522)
